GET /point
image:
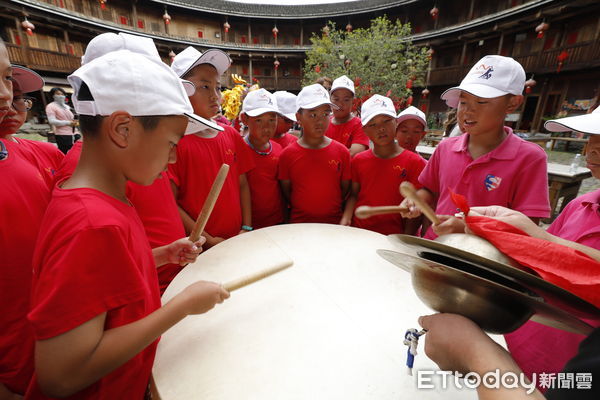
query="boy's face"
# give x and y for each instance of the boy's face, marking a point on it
(207, 98)
(283, 125)
(13, 119)
(478, 115)
(409, 133)
(153, 150)
(381, 129)
(592, 156)
(314, 122)
(342, 98)
(262, 127)
(6, 86)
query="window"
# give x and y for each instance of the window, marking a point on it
(200, 34)
(256, 71)
(123, 20)
(245, 71)
(572, 37)
(155, 26)
(141, 24)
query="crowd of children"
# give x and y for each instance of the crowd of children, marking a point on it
(111, 218)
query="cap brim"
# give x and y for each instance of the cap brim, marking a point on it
(189, 87)
(452, 95)
(400, 119)
(333, 89)
(28, 80)
(214, 57)
(366, 119)
(290, 116)
(588, 123)
(259, 111)
(312, 106)
(196, 124)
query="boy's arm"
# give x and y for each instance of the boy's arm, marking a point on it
(350, 204)
(413, 212)
(356, 148)
(181, 251)
(70, 362)
(245, 202)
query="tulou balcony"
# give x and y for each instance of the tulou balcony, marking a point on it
(43, 60)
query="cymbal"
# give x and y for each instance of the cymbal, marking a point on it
(495, 303)
(547, 291)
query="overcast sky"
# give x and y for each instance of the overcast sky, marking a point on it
(289, 2)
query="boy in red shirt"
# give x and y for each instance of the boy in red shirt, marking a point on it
(411, 128)
(378, 173)
(314, 172)
(95, 306)
(199, 156)
(286, 104)
(345, 128)
(259, 114)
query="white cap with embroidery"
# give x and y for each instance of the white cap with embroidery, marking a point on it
(190, 57)
(413, 112)
(313, 96)
(259, 102)
(376, 105)
(343, 82)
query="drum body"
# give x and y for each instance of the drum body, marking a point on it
(330, 327)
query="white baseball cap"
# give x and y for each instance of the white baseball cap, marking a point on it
(343, 82)
(376, 105)
(28, 80)
(127, 81)
(286, 103)
(313, 96)
(492, 76)
(259, 102)
(107, 42)
(413, 113)
(190, 57)
(587, 123)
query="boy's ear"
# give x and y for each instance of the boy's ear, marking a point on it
(244, 118)
(118, 125)
(514, 103)
(298, 115)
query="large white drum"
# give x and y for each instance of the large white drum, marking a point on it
(330, 327)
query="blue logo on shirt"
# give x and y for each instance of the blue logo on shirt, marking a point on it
(492, 182)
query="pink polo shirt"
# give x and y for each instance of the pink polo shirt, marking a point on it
(579, 222)
(56, 111)
(513, 175)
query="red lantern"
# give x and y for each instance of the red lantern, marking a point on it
(529, 84)
(409, 101)
(561, 59)
(167, 17)
(326, 30)
(28, 26)
(424, 107)
(425, 93)
(226, 26)
(541, 29)
(276, 63)
(317, 69)
(275, 31)
(172, 56)
(347, 62)
(409, 84)
(102, 4)
(349, 27)
(434, 12)
(430, 53)
(528, 89)
(357, 82)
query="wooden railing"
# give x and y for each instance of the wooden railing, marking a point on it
(44, 60)
(283, 83)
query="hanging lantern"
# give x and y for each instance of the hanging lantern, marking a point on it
(561, 59)
(326, 30)
(28, 26)
(434, 12)
(529, 84)
(276, 63)
(275, 31)
(409, 84)
(409, 101)
(317, 68)
(357, 82)
(424, 107)
(430, 53)
(167, 17)
(425, 93)
(349, 27)
(102, 4)
(347, 62)
(172, 55)
(394, 66)
(541, 29)
(226, 26)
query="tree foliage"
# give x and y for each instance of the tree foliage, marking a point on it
(380, 59)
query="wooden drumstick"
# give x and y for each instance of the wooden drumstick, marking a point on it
(363, 212)
(257, 276)
(209, 203)
(408, 191)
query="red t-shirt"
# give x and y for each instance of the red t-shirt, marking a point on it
(23, 201)
(198, 162)
(156, 207)
(380, 181)
(267, 200)
(45, 156)
(285, 140)
(92, 257)
(315, 176)
(348, 133)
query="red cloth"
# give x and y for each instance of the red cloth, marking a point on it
(198, 162)
(315, 176)
(92, 257)
(576, 272)
(285, 140)
(46, 156)
(156, 207)
(267, 200)
(23, 200)
(379, 181)
(348, 133)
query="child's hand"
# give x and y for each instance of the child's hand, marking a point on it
(413, 210)
(183, 251)
(449, 224)
(202, 296)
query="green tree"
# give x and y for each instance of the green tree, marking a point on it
(380, 59)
